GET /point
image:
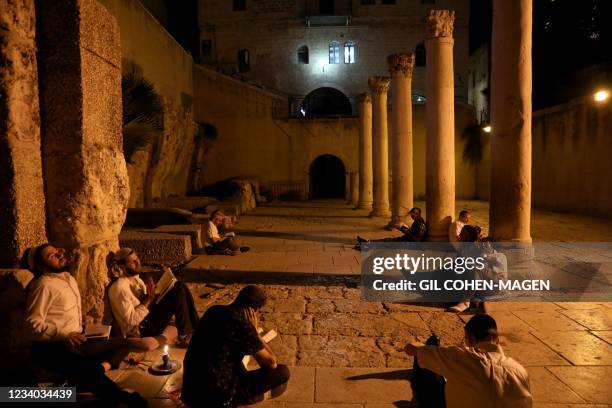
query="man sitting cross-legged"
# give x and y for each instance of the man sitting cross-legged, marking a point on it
(53, 314)
(142, 318)
(417, 232)
(221, 244)
(214, 375)
(479, 374)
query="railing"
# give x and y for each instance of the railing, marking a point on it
(280, 188)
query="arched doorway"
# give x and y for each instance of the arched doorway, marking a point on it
(326, 101)
(327, 177)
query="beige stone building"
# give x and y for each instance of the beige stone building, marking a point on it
(300, 46)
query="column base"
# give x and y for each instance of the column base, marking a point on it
(380, 212)
(364, 205)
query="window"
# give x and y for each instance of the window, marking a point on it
(349, 52)
(388, 1)
(239, 5)
(419, 55)
(243, 61)
(367, 2)
(302, 55)
(334, 52)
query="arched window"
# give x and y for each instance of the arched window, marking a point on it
(419, 55)
(302, 54)
(349, 52)
(334, 52)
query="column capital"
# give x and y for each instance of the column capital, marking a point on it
(364, 98)
(379, 84)
(440, 23)
(401, 63)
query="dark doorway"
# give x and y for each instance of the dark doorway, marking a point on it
(326, 7)
(327, 177)
(326, 101)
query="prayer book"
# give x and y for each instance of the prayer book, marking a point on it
(268, 337)
(97, 331)
(165, 284)
(403, 227)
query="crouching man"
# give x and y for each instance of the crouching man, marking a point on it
(478, 375)
(214, 375)
(53, 313)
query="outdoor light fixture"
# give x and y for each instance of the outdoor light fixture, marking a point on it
(487, 128)
(601, 96)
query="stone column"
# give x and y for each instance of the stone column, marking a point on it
(354, 188)
(510, 206)
(86, 178)
(380, 145)
(365, 152)
(400, 67)
(22, 201)
(440, 124)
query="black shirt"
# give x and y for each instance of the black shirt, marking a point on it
(213, 360)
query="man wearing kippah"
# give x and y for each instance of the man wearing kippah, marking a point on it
(480, 374)
(143, 318)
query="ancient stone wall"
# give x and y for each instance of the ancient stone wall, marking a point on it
(22, 202)
(85, 174)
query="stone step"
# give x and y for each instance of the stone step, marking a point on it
(158, 248)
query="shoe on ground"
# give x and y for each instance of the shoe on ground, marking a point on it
(245, 249)
(228, 251)
(459, 307)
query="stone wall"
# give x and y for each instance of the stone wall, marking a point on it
(166, 167)
(85, 175)
(22, 201)
(255, 137)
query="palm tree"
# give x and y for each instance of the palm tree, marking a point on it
(142, 114)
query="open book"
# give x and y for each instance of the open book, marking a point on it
(268, 337)
(403, 227)
(97, 331)
(165, 284)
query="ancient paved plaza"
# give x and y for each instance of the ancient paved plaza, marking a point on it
(347, 353)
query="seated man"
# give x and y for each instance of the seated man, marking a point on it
(144, 321)
(479, 375)
(53, 313)
(213, 372)
(456, 226)
(221, 244)
(416, 233)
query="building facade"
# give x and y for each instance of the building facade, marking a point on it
(321, 52)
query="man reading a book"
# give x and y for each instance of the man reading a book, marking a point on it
(221, 243)
(417, 232)
(143, 311)
(214, 375)
(53, 314)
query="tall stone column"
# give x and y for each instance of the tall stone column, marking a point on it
(400, 67)
(365, 152)
(22, 201)
(86, 178)
(510, 206)
(379, 87)
(440, 124)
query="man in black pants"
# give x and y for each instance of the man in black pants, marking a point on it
(140, 317)
(214, 375)
(416, 233)
(221, 244)
(54, 315)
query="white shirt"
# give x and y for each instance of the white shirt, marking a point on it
(480, 376)
(54, 307)
(454, 230)
(211, 232)
(125, 296)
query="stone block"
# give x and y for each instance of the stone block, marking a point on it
(155, 248)
(193, 230)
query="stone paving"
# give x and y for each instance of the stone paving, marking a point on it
(347, 353)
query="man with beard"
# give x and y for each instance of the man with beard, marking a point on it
(54, 315)
(143, 319)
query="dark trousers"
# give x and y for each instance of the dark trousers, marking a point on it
(226, 243)
(178, 302)
(83, 367)
(252, 385)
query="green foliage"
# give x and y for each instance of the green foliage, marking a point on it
(473, 148)
(142, 114)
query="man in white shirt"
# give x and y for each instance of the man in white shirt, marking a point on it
(53, 313)
(454, 229)
(221, 244)
(479, 375)
(142, 318)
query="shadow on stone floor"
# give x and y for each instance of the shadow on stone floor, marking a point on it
(297, 237)
(385, 375)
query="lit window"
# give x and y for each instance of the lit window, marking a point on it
(349, 52)
(302, 55)
(334, 52)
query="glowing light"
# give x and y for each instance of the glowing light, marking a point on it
(302, 111)
(601, 96)
(487, 128)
